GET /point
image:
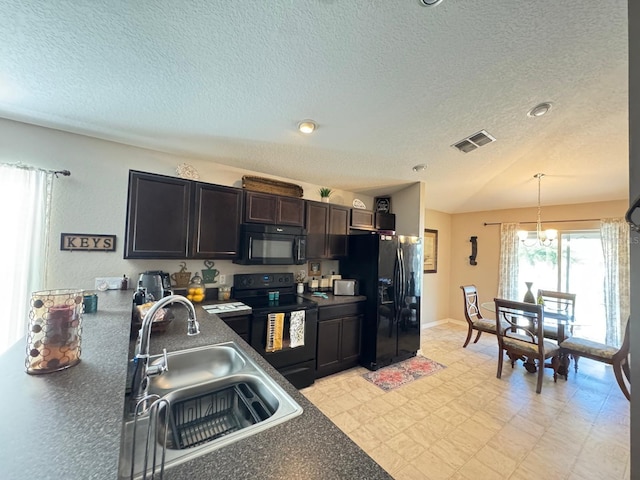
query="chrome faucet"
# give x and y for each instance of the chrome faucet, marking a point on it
(142, 370)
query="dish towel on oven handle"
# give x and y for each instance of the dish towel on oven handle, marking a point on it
(296, 328)
(275, 328)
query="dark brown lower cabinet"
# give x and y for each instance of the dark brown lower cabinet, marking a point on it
(240, 325)
(338, 338)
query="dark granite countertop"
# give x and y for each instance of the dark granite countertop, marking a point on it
(334, 299)
(67, 424)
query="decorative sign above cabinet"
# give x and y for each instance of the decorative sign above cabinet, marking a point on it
(87, 242)
(357, 203)
(383, 204)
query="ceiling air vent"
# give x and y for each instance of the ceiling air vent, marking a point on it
(474, 141)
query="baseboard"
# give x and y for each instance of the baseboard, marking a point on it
(442, 322)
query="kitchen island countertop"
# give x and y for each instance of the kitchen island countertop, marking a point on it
(67, 424)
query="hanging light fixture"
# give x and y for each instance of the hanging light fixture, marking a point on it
(543, 238)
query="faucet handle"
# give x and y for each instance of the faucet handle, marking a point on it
(160, 368)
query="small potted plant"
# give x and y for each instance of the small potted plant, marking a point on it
(325, 193)
(300, 276)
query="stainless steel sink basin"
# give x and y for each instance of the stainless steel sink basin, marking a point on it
(210, 397)
(197, 365)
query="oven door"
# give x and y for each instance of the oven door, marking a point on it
(296, 363)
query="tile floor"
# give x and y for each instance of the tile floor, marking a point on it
(464, 423)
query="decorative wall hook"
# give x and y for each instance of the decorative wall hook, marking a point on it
(474, 250)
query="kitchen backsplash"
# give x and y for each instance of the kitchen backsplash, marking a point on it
(226, 269)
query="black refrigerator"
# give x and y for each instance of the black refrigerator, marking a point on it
(389, 272)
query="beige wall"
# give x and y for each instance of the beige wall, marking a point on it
(437, 285)
(485, 274)
(93, 199)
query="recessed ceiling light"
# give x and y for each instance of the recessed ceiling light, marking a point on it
(429, 3)
(307, 126)
(539, 110)
(419, 168)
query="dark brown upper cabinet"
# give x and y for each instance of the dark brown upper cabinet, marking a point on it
(216, 221)
(158, 216)
(362, 219)
(273, 209)
(317, 227)
(327, 228)
(170, 217)
(385, 221)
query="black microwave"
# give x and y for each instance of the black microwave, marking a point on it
(272, 245)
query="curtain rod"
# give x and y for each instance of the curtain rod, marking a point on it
(549, 221)
(64, 173)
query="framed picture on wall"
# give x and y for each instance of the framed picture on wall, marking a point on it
(314, 269)
(430, 251)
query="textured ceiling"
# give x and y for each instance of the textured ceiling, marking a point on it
(391, 84)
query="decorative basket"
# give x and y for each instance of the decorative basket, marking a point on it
(268, 185)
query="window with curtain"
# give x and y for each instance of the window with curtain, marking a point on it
(593, 264)
(25, 194)
(617, 300)
(509, 262)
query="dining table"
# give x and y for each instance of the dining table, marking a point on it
(550, 318)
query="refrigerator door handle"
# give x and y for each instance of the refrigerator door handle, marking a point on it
(398, 287)
(403, 277)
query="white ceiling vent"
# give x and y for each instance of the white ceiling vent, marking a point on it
(474, 141)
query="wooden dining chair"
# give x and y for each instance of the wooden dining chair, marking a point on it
(472, 315)
(618, 358)
(520, 332)
(560, 306)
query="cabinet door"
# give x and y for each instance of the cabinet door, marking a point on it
(351, 340)
(260, 207)
(362, 219)
(158, 211)
(338, 230)
(290, 211)
(316, 226)
(240, 325)
(328, 353)
(217, 220)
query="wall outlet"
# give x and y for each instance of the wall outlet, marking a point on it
(222, 279)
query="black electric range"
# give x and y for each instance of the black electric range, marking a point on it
(294, 351)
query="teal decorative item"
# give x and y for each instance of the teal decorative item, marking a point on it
(528, 297)
(209, 274)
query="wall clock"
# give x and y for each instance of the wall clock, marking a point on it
(383, 204)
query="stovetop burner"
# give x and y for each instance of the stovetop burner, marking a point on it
(284, 301)
(253, 289)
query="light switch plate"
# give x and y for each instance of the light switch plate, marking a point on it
(222, 279)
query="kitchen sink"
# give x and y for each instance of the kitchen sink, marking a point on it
(196, 365)
(210, 397)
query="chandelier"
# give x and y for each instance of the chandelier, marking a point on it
(543, 238)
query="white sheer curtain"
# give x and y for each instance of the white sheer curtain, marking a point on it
(614, 233)
(508, 266)
(25, 197)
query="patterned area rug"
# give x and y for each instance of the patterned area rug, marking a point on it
(394, 376)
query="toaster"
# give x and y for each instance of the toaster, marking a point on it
(345, 287)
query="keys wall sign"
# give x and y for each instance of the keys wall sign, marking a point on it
(87, 242)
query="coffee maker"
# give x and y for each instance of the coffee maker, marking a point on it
(157, 284)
